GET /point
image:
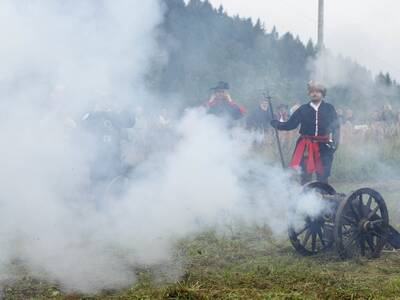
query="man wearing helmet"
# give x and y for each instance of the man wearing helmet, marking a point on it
(319, 135)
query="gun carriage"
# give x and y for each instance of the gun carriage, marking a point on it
(354, 225)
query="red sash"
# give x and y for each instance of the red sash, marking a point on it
(311, 144)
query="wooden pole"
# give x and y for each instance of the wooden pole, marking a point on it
(268, 97)
(321, 8)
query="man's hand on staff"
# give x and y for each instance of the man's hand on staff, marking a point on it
(275, 123)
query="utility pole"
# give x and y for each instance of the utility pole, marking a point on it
(320, 44)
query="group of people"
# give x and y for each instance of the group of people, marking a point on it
(385, 121)
(386, 115)
(317, 120)
(124, 138)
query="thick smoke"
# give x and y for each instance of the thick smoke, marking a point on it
(335, 70)
(60, 59)
(372, 158)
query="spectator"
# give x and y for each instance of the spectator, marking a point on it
(282, 114)
(349, 116)
(107, 129)
(388, 114)
(221, 103)
(260, 118)
(340, 115)
(164, 119)
(375, 116)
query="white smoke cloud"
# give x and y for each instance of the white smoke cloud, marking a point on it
(335, 70)
(58, 60)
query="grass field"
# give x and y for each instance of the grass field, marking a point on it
(249, 265)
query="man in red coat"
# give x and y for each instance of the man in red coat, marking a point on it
(221, 103)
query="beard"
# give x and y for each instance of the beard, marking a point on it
(316, 99)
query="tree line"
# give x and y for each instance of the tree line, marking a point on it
(201, 44)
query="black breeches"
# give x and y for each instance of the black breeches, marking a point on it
(326, 158)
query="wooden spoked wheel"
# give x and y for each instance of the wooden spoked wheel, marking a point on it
(361, 225)
(314, 235)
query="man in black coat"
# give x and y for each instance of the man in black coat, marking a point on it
(107, 129)
(260, 118)
(319, 135)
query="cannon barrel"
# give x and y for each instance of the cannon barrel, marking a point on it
(333, 198)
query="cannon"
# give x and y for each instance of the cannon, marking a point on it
(354, 225)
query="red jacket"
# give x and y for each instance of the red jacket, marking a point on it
(226, 107)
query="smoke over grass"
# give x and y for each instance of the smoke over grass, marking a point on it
(60, 59)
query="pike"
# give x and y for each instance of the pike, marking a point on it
(268, 98)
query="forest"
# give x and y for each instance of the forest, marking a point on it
(201, 45)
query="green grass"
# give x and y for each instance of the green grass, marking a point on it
(226, 268)
(249, 264)
(360, 158)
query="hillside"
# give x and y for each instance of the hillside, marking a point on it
(201, 44)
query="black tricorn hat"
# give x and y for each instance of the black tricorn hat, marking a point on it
(222, 85)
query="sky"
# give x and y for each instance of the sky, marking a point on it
(365, 30)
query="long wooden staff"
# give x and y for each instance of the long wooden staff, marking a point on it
(268, 97)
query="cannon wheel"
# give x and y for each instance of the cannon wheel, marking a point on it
(361, 224)
(315, 235)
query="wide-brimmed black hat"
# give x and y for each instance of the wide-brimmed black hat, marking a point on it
(222, 85)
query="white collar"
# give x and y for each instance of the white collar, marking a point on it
(315, 106)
